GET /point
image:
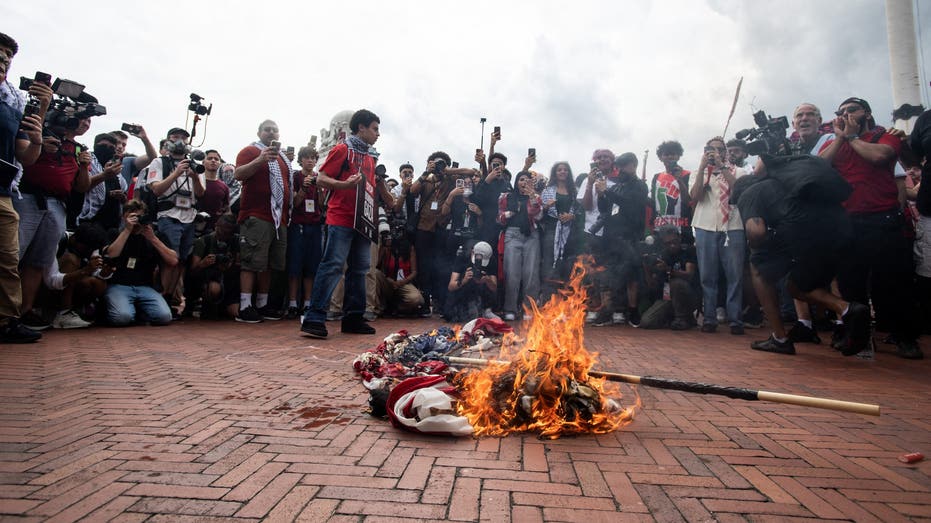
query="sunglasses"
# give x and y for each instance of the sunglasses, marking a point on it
(850, 109)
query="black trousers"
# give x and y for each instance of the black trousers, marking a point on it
(880, 267)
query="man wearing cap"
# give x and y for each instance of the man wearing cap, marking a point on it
(865, 155)
(473, 286)
(177, 187)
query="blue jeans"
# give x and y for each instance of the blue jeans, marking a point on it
(123, 301)
(305, 248)
(178, 236)
(343, 246)
(712, 253)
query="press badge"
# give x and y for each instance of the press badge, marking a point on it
(183, 202)
(131, 263)
(434, 206)
(308, 206)
(615, 209)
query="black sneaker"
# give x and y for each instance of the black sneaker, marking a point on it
(909, 350)
(839, 336)
(737, 330)
(753, 318)
(249, 315)
(356, 326)
(633, 317)
(857, 322)
(709, 328)
(680, 325)
(314, 329)
(603, 318)
(292, 313)
(799, 333)
(269, 313)
(771, 344)
(15, 332)
(33, 321)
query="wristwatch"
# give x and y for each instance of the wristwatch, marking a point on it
(851, 137)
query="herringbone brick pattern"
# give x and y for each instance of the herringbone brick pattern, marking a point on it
(207, 421)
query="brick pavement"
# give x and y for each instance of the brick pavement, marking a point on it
(206, 421)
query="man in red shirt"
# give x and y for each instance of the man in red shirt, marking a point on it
(46, 185)
(865, 155)
(342, 173)
(265, 173)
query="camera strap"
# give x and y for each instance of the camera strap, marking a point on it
(168, 165)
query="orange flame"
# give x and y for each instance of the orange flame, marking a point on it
(546, 387)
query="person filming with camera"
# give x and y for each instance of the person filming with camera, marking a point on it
(473, 286)
(46, 186)
(133, 255)
(214, 271)
(172, 180)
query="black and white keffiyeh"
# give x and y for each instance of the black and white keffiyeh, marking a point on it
(276, 184)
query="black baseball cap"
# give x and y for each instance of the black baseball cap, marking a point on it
(178, 130)
(859, 101)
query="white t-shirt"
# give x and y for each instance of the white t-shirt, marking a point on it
(708, 215)
(184, 210)
(592, 216)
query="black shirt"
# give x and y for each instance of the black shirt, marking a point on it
(136, 264)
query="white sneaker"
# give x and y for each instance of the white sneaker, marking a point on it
(528, 317)
(489, 315)
(69, 320)
(721, 314)
(509, 316)
(618, 317)
(591, 316)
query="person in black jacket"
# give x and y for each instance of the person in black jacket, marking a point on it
(622, 209)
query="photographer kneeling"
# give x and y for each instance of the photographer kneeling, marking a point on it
(670, 278)
(133, 254)
(395, 274)
(473, 286)
(214, 272)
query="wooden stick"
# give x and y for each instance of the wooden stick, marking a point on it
(707, 388)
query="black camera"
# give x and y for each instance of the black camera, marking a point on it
(196, 158)
(197, 107)
(146, 219)
(439, 166)
(769, 136)
(223, 253)
(71, 105)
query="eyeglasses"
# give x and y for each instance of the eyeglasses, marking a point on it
(850, 109)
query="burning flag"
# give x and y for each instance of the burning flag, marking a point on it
(545, 387)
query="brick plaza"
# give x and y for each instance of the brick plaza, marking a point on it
(206, 421)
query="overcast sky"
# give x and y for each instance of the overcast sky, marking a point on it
(563, 77)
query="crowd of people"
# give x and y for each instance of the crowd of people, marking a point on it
(831, 232)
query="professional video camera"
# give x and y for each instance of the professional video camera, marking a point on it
(70, 105)
(769, 136)
(197, 107)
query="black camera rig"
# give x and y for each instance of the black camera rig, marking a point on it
(70, 103)
(768, 137)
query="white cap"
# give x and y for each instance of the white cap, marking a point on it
(484, 250)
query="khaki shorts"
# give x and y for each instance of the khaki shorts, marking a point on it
(259, 248)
